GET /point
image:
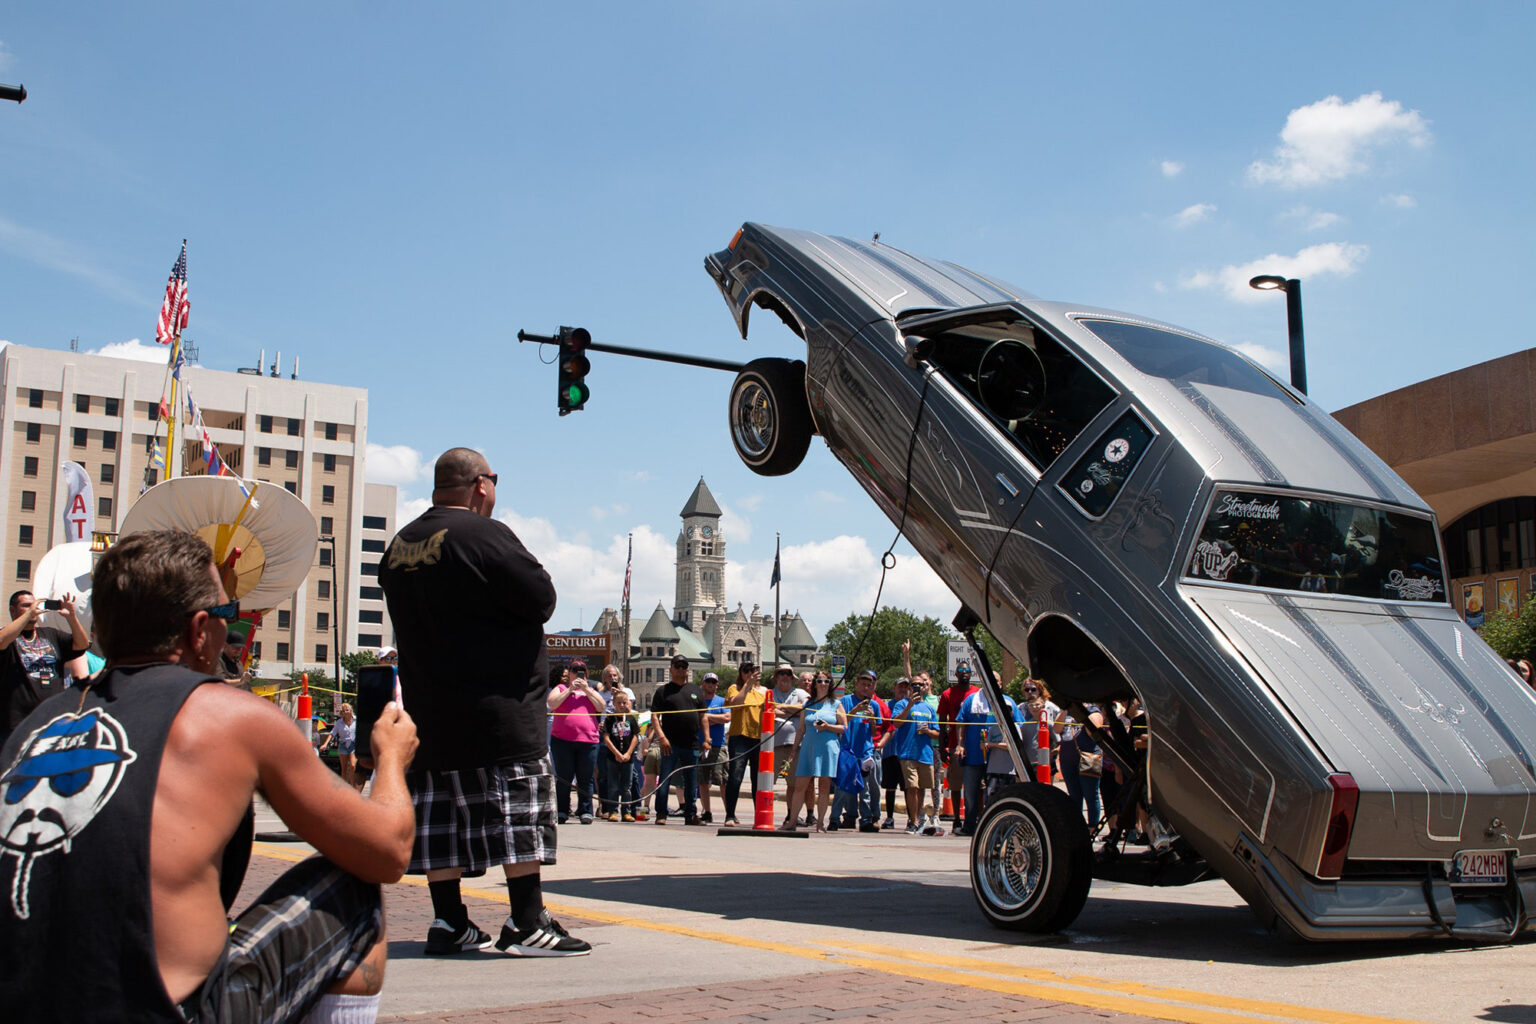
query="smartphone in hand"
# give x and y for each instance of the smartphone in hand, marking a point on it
(377, 685)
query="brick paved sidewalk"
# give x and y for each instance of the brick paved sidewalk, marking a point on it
(869, 997)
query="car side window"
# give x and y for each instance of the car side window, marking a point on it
(1032, 386)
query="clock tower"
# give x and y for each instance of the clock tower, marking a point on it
(700, 561)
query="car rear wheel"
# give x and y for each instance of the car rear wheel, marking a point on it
(1031, 859)
(770, 421)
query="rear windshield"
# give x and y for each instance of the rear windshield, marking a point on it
(1178, 357)
(1262, 539)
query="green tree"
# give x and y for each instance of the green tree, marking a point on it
(1512, 636)
(877, 645)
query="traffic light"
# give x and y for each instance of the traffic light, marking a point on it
(574, 367)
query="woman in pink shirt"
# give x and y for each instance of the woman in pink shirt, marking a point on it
(577, 712)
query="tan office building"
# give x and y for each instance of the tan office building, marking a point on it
(101, 413)
(1466, 441)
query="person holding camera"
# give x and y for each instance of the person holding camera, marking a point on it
(34, 659)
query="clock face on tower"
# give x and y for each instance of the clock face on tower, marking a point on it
(693, 531)
(709, 531)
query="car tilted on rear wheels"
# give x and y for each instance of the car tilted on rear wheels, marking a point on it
(1138, 511)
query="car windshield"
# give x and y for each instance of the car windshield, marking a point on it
(1314, 545)
(1040, 393)
(1178, 357)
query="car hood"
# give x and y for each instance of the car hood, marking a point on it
(1437, 732)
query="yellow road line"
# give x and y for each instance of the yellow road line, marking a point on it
(1173, 1004)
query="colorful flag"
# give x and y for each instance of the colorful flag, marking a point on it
(156, 456)
(181, 361)
(629, 563)
(165, 410)
(173, 311)
(775, 581)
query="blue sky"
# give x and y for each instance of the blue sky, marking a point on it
(390, 191)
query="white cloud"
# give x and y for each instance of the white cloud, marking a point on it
(638, 476)
(395, 464)
(1193, 214)
(1403, 201)
(1312, 220)
(734, 524)
(57, 254)
(1340, 258)
(601, 512)
(1172, 168)
(1330, 140)
(407, 509)
(590, 578)
(1264, 356)
(135, 349)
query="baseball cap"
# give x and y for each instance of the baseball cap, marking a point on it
(869, 673)
(680, 659)
(710, 677)
(784, 666)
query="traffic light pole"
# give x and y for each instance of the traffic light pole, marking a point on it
(641, 353)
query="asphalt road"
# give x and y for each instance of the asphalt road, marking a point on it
(672, 907)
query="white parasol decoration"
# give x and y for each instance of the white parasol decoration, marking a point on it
(66, 569)
(276, 535)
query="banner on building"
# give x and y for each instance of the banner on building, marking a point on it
(79, 504)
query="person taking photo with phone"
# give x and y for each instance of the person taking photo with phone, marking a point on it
(34, 659)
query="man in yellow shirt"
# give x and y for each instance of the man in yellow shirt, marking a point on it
(745, 701)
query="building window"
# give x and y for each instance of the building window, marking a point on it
(375, 523)
(291, 459)
(24, 568)
(322, 653)
(264, 424)
(1498, 537)
(29, 466)
(370, 593)
(263, 456)
(24, 536)
(83, 403)
(79, 436)
(373, 615)
(256, 650)
(35, 398)
(325, 556)
(282, 651)
(370, 568)
(322, 620)
(330, 432)
(34, 432)
(323, 589)
(109, 406)
(293, 427)
(328, 494)
(374, 640)
(104, 507)
(108, 472)
(374, 545)
(28, 501)
(327, 525)
(109, 440)
(328, 463)
(283, 618)
(292, 486)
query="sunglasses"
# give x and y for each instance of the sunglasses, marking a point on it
(1031, 689)
(228, 612)
(487, 476)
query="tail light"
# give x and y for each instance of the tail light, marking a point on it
(1341, 823)
(735, 238)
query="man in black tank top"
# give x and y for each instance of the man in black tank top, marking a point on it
(125, 816)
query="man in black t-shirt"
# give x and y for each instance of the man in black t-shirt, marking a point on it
(677, 720)
(33, 657)
(469, 602)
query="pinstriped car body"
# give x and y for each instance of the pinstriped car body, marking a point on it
(1134, 509)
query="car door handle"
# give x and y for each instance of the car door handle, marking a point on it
(1013, 492)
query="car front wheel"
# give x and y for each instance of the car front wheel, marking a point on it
(770, 422)
(1031, 859)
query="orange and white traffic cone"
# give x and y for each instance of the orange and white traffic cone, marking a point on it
(949, 806)
(306, 710)
(1043, 741)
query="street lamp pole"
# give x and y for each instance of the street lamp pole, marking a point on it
(1292, 289)
(335, 610)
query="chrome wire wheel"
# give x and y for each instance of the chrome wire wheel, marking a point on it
(1011, 860)
(754, 419)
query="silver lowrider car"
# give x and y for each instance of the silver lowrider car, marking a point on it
(1136, 510)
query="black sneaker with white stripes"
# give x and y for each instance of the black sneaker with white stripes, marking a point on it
(546, 938)
(442, 940)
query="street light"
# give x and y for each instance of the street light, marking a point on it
(1292, 289)
(14, 93)
(335, 615)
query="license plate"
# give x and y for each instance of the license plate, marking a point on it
(1480, 867)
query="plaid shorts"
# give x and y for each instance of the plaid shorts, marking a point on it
(479, 818)
(312, 927)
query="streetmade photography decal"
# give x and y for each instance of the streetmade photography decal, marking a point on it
(1249, 508)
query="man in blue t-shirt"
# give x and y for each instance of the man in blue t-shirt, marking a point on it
(975, 716)
(865, 714)
(914, 746)
(712, 763)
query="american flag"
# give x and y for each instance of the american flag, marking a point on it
(173, 311)
(629, 564)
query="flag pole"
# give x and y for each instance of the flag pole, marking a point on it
(778, 583)
(170, 424)
(624, 640)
